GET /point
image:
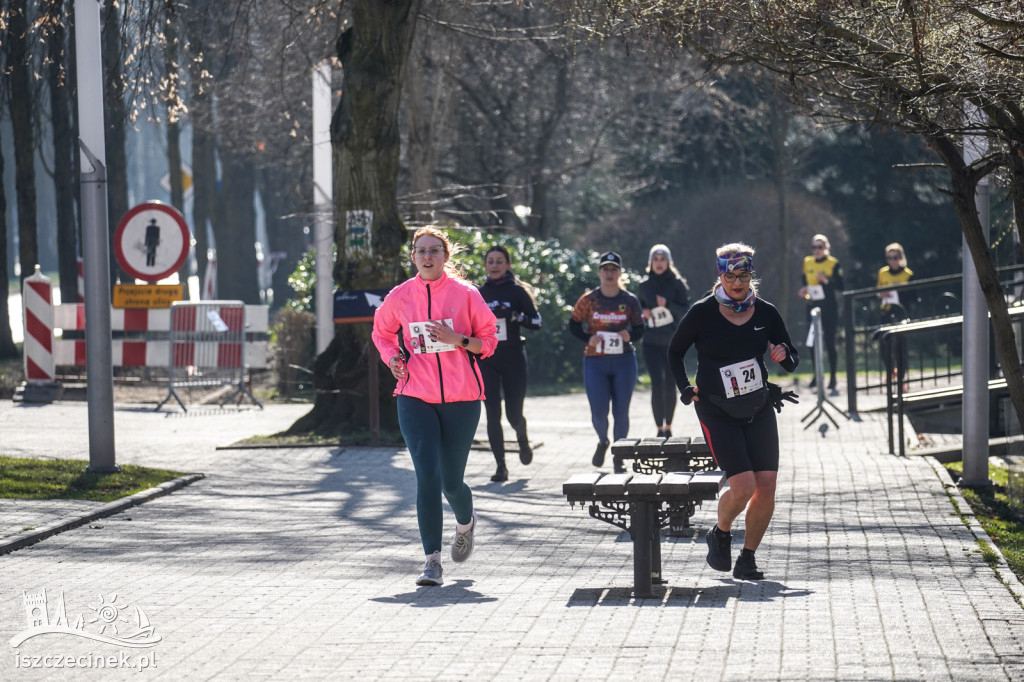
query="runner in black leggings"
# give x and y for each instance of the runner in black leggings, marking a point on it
(664, 298)
(732, 329)
(512, 303)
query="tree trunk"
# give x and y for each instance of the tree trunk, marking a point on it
(7, 347)
(114, 116)
(779, 122)
(365, 135)
(173, 128)
(236, 230)
(64, 153)
(18, 60)
(964, 183)
(284, 229)
(204, 179)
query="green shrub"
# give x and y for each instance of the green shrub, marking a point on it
(558, 275)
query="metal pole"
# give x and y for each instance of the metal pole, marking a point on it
(95, 237)
(975, 340)
(323, 192)
(851, 357)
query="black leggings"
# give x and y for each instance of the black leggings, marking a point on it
(503, 372)
(663, 384)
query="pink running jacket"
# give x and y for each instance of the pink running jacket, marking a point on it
(452, 376)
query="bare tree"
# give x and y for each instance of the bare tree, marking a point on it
(914, 65)
(22, 97)
(365, 136)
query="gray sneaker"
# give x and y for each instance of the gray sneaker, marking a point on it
(462, 545)
(431, 573)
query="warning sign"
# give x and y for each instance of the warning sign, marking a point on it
(147, 295)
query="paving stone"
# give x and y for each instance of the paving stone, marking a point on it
(300, 563)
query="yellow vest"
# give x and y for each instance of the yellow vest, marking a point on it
(887, 277)
(812, 267)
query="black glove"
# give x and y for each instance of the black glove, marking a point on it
(686, 397)
(776, 396)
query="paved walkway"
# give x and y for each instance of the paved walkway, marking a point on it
(300, 563)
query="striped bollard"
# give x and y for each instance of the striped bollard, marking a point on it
(40, 369)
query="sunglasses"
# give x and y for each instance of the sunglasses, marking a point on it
(892, 258)
(731, 277)
(818, 247)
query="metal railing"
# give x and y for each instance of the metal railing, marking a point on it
(904, 351)
(935, 298)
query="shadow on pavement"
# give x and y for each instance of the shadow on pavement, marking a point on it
(457, 592)
(715, 596)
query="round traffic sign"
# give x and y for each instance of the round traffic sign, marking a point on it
(151, 241)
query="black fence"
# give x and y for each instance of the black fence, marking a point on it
(929, 354)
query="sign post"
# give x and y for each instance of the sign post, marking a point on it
(95, 236)
(151, 242)
(359, 306)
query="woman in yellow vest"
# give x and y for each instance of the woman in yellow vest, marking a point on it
(822, 279)
(895, 272)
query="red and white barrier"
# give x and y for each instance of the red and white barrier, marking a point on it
(37, 297)
(44, 350)
(72, 317)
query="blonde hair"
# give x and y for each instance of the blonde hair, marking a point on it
(450, 266)
(735, 247)
(824, 240)
(898, 248)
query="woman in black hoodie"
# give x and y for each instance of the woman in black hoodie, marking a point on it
(512, 303)
(664, 298)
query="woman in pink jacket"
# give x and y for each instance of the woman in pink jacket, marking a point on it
(431, 330)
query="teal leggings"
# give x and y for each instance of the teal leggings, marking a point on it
(439, 437)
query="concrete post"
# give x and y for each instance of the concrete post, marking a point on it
(95, 237)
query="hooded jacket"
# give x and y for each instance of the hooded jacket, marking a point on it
(452, 376)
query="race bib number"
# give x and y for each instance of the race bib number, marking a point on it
(816, 292)
(501, 329)
(660, 317)
(421, 342)
(611, 343)
(741, 378)
(891, 298)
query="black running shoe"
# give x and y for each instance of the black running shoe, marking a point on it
(525, 451)
(719, 552)
(602, 447)
(501, 475)
(746, 567)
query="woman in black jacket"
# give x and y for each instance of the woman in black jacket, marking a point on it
(511, 301)
(664, 299)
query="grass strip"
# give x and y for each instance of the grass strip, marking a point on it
(1002, 521)
(69, 479)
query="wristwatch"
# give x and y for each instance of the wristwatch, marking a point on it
(465, 342)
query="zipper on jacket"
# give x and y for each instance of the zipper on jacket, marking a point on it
(437, 356)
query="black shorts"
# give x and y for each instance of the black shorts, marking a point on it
(738, 445)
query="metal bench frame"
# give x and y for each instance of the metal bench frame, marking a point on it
(643, 504)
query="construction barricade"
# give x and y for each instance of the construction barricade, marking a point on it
(143, 338)
(207, 348)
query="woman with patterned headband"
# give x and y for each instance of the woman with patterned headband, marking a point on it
(732, 330)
